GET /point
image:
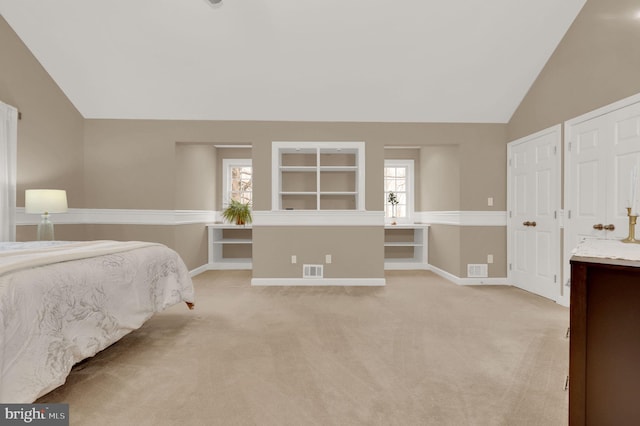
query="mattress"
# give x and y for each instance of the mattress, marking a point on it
(63, 302)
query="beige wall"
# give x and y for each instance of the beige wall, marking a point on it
(450, 179)
(196, 167)
(440, 176)
(476, 155)
(444, 248)
(596, 63)
(476, 242)
(69, 232)
(50, 146)
(357, 252)
(452, 248)
(191, 242)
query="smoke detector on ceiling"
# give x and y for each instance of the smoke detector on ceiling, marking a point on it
(214, 3)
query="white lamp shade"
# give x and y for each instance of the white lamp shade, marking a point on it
(45, 201)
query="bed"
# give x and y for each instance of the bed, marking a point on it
(63, 302)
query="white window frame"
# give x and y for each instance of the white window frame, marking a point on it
(227, 165)
(409, 164)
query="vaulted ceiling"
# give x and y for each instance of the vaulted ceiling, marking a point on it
(329, 60)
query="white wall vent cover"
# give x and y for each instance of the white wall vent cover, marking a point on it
(312, 271)
(477, 270)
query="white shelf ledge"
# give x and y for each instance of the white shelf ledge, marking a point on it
(233, 241)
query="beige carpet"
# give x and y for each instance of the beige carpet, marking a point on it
(420, 351)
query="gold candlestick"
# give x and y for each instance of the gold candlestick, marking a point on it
(632, 228)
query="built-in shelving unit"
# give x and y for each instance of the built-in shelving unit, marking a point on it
(406, 246)
(318, 176)
(230, 246)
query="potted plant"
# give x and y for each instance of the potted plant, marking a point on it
(392, 199)
(238, 213)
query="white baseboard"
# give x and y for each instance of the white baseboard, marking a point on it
(342, 282)
(406, 266)
(229, 266)
(469, 281)
(345, 282)
(198, 270)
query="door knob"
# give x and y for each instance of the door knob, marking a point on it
(599, 227)
(610, 227)
(533, 224)
(527, 223)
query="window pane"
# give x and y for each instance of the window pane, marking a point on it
(240, 184)
(388, 211)
(396, 179)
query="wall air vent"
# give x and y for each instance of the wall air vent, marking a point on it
(477, 270)
(312, 271)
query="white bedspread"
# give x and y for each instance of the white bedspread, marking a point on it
(65, 303)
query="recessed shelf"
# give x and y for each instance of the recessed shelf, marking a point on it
(230, 246)
(318, 176)
(406, 246)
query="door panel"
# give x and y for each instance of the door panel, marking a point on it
(544, 246)
(588, 202)
(520, 251)
(533, 199)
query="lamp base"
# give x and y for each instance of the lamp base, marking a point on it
(45, 229)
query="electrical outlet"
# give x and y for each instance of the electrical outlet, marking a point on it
(489, 258)
(327, 258)
(490, 201)
(294, 259)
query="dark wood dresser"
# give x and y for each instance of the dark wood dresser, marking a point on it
(604, 355)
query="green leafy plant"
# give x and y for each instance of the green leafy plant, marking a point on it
(238, 212)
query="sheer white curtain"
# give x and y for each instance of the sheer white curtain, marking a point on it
(8, 150)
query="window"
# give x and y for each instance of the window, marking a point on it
(398, 179)
(236, 180)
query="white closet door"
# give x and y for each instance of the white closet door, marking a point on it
(602, 149)
(625, 149)
(533, 233)
(586, 200)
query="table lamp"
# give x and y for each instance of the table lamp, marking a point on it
(45, 201)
